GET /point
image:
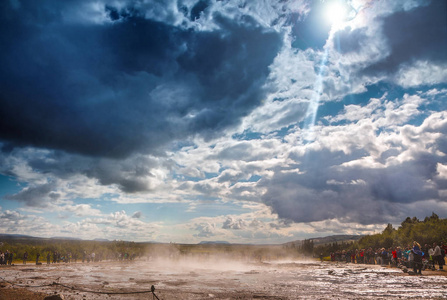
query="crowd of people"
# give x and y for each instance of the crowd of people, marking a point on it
(6, 257)
(416, 257)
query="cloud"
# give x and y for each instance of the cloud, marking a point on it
(117, 225)
(79, 210)
(131, 85)
(205, 230)
(421, 73)
(36, 196)
(380, 44)
(363, 174)
(15, 222)
(205, 105)
(236, 224)
(138, 173)
(406, 36)
(137, 215)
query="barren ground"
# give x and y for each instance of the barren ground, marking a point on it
(218, 279)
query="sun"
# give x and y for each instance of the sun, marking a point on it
(336, 12)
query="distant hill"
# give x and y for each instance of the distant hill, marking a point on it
(65, 238)
(328, 239)
(4, 236)
(213, 242)
(12, 236)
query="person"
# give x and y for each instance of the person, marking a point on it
(48, 258)
(410, 263)
(443, 255)
(426, 252)
(417, 259)
(378, 257)
(394, 259)
(37, 258)
(431, 262)
(11, 255)
(384, 256)
(399, 255)
(437, 256)
(25, 257)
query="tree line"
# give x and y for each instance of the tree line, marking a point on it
(431, 229)
(76, 248)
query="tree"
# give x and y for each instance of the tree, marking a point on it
(389, 229)
(308, 247)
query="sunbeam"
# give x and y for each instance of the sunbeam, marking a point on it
(312, 109)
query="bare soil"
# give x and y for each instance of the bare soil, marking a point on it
(215, 279)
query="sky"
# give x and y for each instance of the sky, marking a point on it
(258, 122)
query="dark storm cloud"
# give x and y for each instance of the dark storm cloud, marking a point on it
(198, 8)
(322, 190)
(130, 175)
(407, 182)
(36, 196)
(127, 85)
(418, 34)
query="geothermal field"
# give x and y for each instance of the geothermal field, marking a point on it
(214, 278)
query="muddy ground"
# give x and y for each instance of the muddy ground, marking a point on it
(218, 279)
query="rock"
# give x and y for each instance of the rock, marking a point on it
(4, 284)
(54, 297)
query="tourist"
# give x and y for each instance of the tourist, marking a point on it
(410, 257)
(378, 257)
(399, 255)
(384, 255)
(394, 259)
(431, 261)
(417, 258)
(437, 256)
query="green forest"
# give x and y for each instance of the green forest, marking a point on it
(122, 250)
(431, 229)
(74, 249)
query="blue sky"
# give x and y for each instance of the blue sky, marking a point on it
(243, 121)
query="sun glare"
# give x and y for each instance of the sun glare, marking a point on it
(336, 12)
